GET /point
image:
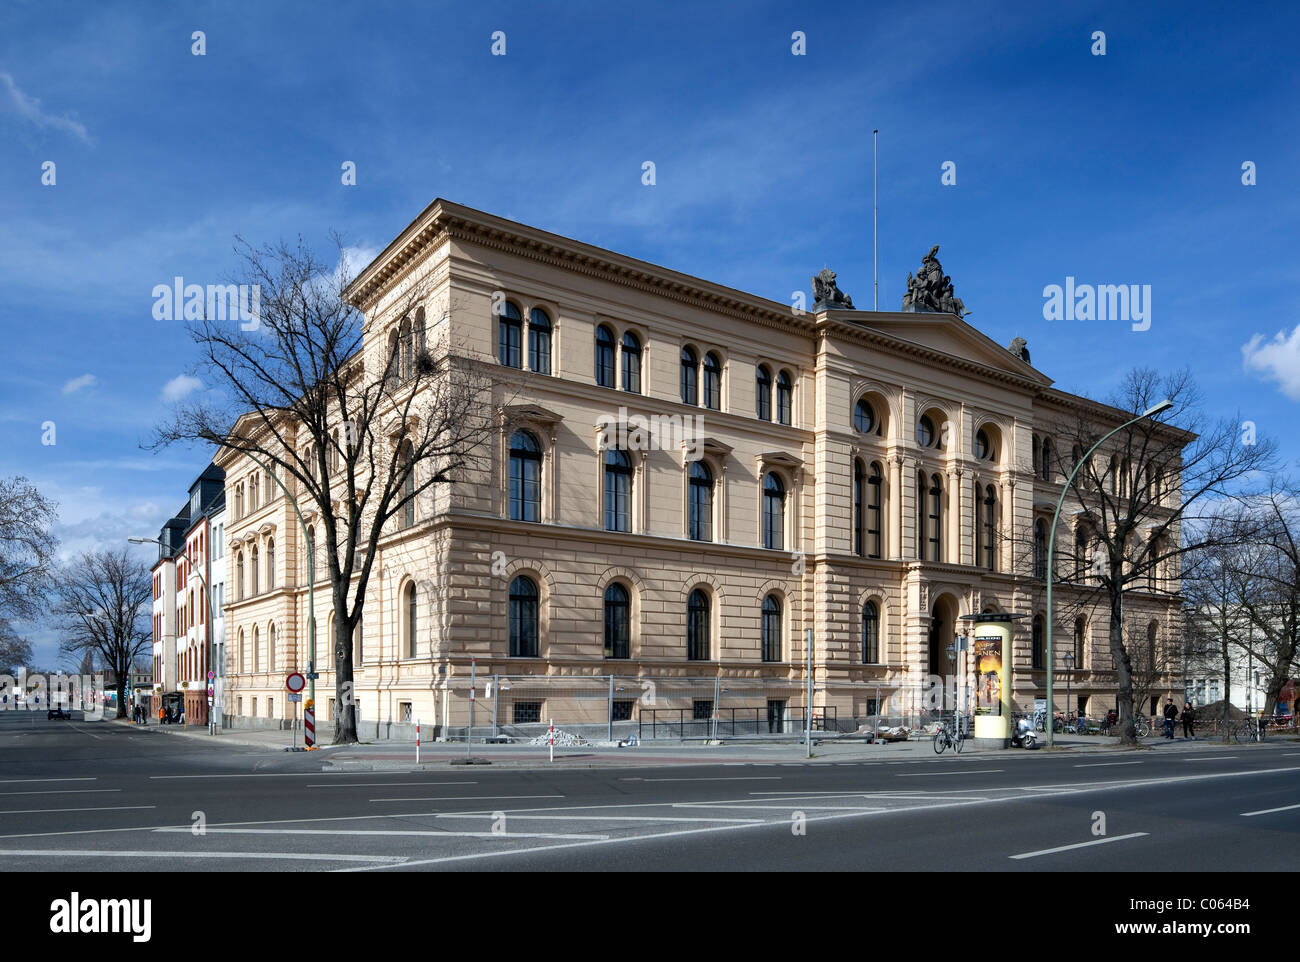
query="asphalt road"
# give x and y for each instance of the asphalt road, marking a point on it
(79, 796)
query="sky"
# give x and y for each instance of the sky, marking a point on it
(1122, 167)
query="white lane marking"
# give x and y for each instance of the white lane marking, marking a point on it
(43, 811)
(1216, 758)
(1270, 811)
(269, 774)
(607, 818)
(748, 806)
(389, 784)
(67, 791)
(84, 732)
(436, 833)
(738, 778)
(978, 771)
(1066, 848)
(15, 781)
(285, 856)
(462, 798)
(1106, 764)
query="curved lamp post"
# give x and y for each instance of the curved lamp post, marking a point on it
(1051, 541)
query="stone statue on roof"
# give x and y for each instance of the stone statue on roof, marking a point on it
(826, 293)
(930, 291)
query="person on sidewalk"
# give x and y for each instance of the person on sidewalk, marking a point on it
(1171, 713)
(1189, 721)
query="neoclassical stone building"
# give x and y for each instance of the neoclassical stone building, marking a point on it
(684, 480)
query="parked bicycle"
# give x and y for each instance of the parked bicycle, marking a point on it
(945, 737)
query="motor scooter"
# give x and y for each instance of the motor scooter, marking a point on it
(1022, 733)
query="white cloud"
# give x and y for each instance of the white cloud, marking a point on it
(77, 383)
(30, 109)
(180, 387)
(1277, 359)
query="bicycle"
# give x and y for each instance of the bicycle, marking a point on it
(944, 738)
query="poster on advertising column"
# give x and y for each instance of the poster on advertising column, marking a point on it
(988, 675)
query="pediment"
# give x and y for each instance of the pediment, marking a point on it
(945, 334)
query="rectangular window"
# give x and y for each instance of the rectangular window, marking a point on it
(775, 716)
(254, 707)
(270, 708)
(702, 709)
(404, 711)
(622, 710)
(527, 712)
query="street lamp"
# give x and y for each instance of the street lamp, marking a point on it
(1051, 538)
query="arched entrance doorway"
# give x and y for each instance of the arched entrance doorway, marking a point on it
(943, 634)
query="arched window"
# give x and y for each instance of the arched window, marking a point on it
(408, 348)
(253, 584)
(864, 417)
(784, 398)
(510, 329)
(989, 529)
(311, 554)
(1080, 642)
(983, 447)
(773, 512)
(700, 507)
(1034, 454)
(763, 387)
(239, 575)
(1036, 648)
(1153, 574)
(925, 431)
(358, 635)
(631, 363)
(523, 618)
(771, 628)
(870, 634)
(859, 506)
(270, 648)
(270, 564)
(241, 652)
(618, 491)
(921, 488)
(1040, 549)
(617, 622)
(935, 535)
(412, 620)
(525, 477)
(1047, 459)
(539, 341)
(604, 356)
(697, 626)
(257, 650)
(690, 376)
(408, 489)
(1080, 552)
(418, 345)
(712, 382)
(252, 492)
(1151, 664)
(875, 509)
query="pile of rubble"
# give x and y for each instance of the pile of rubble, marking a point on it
(563, 739)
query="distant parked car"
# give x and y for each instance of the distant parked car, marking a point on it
(57, 713)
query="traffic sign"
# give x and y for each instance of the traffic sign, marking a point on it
(295, 682)
(211, 675)
(295, 696)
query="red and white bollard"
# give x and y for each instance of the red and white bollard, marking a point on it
(552, 739)
(417, 741)
(309, 725)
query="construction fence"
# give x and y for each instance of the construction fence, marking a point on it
(614, 708)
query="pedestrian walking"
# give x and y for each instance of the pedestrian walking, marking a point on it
(1171, 713)
(1189, 721)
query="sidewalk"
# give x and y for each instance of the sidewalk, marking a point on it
(400, 757)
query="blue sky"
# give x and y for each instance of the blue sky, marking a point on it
(1116, 169)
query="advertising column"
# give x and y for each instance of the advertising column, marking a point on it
(990, 651)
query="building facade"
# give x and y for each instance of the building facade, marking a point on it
(686, 485)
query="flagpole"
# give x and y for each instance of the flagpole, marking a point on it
(875, 221)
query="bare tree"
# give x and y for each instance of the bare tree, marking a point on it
(1266, 577)
(1215, 625)
(1146, 497)
(26, 548)
(15, 652)
(104, 602)
(360, 428)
